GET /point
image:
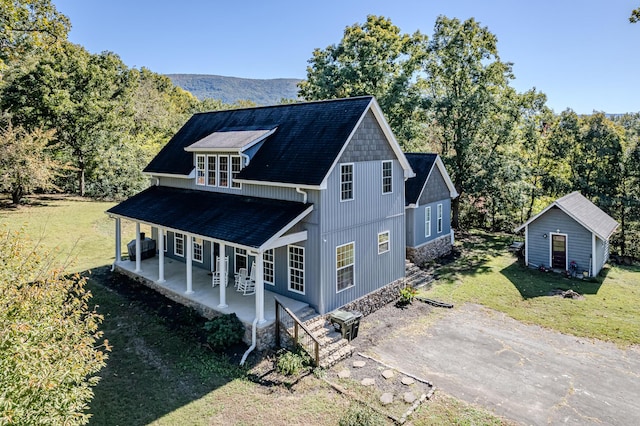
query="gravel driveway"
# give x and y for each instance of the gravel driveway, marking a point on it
(523, 372)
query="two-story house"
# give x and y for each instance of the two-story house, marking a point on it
(309, 196)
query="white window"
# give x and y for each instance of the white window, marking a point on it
(269, 270)
(439, 218)
(387, 177)
(236, 166)
(200, 170)
(211, 170)
(240, 259)
(223, 171)
(383, 242)
(296, 269)
(345, 266)
(427, 221)
(178, 244)
(346, 182)
(164, 237)
(197, 249)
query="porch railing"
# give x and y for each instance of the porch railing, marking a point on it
(297, 332)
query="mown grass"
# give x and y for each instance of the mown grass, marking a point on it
(487, 274)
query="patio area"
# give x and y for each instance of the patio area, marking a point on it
(203, 294)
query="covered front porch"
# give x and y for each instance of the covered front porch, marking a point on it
(203, 296)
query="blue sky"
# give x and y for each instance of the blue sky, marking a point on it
(584, 55)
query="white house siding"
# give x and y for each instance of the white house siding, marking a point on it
(556, 221)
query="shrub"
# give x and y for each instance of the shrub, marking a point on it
(292, 363)
(224, 331)
(360, 415)
(407, 295)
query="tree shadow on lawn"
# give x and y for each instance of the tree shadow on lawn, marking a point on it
(158, 362)
(533, 283)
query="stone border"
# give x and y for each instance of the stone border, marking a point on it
(430, 251)
(377, 299)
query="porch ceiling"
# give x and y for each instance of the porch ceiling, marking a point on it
(242, 220)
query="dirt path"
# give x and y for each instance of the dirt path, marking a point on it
(523, 372)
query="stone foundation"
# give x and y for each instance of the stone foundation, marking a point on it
(376, 300)
(429, 251)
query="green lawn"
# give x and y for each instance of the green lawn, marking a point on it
(488, 275)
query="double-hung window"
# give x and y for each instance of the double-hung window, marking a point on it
(240, 259)
(346, 182)
(212, 170)
(223, 171)
(200, 169)
(178, 244)
(345, 266)
(387, 177)
(197, 249)
(383, 242)
(439, 218)
(296, 269)
(427, 222)
(236, 166)
(269, 270)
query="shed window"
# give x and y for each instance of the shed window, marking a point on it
(439, 218)
(345, 266)
(346, 182)
(383, 242)
(387, 177)
(296, 269)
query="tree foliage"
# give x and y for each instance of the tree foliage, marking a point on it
(635, 16)
(373, 58)
(50, 345)
(25, 163)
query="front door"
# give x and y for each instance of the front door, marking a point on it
(559, 251)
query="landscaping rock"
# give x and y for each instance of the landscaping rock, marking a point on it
(409, 397)
(344, 374)
(387, 374)
(368, 382)
(386, 398)
(359, 364)
(407, 381)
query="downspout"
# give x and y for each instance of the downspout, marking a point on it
(253, 341)
(246, 159)
(304, 194)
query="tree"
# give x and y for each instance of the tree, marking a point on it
(25, 164)
(371, 59)
(25, 24)
(80, 95)
(467, 94)
(635, 16)
(50, 345)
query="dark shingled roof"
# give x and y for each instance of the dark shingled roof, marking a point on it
(307, 141)
(249, 221)
(421, 164)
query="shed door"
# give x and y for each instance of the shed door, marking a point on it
(559, 251)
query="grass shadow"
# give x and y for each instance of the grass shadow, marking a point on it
(533, 283)
(158, 362)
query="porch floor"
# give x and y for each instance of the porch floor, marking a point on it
(204, 294)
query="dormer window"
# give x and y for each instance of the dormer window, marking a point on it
(218, 170)
(200, 169)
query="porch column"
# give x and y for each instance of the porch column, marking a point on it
(138, 248)
(260, 288)
(118, 240)
(189, 265)
(223, 275)
(161, 255)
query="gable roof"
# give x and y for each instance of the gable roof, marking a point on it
(247, 221)
(582, 211)
(423, 164)
(302, 150)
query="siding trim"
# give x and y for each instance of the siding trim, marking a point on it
(593, 254)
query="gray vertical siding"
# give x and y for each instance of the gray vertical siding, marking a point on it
(554, 220)
(416, 230)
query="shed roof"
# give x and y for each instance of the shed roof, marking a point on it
(243, 220)
(303, 149)
(584, 212)
(422, 165)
